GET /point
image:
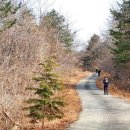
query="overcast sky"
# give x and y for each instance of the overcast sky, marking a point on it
(86, 16)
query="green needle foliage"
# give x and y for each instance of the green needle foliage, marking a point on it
(7, 14)
(53, 20)
(48, 104)
(121, 34)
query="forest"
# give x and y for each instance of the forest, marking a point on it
(40, 66)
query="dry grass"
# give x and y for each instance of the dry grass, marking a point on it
(115, 90)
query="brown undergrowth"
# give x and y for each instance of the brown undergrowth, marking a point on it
(115, 90)
(73, 104)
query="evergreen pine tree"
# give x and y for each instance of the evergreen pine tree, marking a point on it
(93, 52)
(47, 104)
(53, 20)
(7, 11)
(120, 34)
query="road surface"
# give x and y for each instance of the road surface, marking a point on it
(100, 112)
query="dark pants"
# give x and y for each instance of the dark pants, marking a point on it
(105, 90)
(99, 73)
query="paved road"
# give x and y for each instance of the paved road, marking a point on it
(100, 112)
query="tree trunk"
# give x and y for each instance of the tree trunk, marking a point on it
(42, 128)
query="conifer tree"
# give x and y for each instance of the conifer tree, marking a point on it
(121, 34)
(47, 104)
(93, 52)
(53, 20)
(7, 11)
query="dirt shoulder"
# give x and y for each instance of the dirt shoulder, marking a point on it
(113, 89)
(73, 104)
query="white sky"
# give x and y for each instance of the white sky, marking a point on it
(86, 16)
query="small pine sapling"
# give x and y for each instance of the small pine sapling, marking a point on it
(47, 104)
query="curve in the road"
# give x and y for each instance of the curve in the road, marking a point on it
(100, 112)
